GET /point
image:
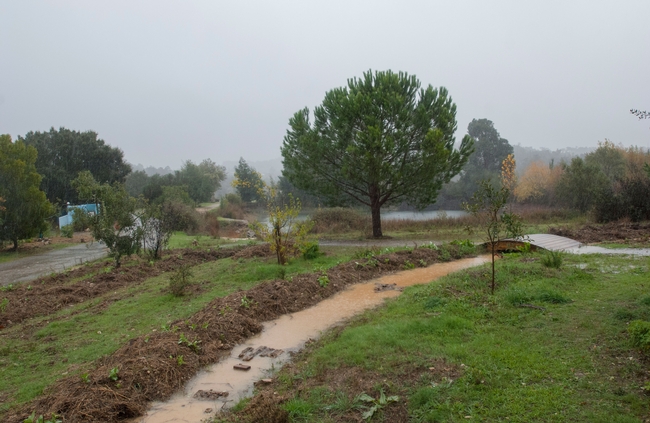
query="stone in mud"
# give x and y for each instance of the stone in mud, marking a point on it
(249, 353)
(241, 367)
(381, 287)
(210, 395)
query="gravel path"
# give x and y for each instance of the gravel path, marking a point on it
(30, 268)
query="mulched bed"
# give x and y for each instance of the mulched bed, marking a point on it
(621, 232)
(52, 293)
(148, 367)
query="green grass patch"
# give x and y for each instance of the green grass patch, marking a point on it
(33, 355)
(452, 352)
(183, 240)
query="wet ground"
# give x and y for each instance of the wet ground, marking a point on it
(33, 267)
(594, 249)
(221, 385)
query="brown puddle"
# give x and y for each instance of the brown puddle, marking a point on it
(288, 333)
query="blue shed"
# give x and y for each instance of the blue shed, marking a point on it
(67, 219)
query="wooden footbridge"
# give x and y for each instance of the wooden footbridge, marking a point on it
(539, 241)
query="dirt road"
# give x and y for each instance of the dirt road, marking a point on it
(30, 268)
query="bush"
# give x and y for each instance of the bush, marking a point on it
(231, 206)
(338, 219)
(67, 231)
(310, 250)
(182, 217)
(211, 225)
(553, 259)
(179, 280)
(629, 198)
(639, 331)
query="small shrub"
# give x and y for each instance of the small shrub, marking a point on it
(246, 302)
(231, 206)
(310, 250)
(525, 249)
(114, 374)
(367, 253)
(639, 331)
(553, 259)
(323, 281)
(211, 225)
(67, 231)
(3, 305)
(179, 280)
(408, 265)
(445, 254)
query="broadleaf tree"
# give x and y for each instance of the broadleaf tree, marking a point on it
(64, 153)
(381, 140)
(117, 223)
(23, 206)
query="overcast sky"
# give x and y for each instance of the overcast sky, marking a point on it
(171, 81)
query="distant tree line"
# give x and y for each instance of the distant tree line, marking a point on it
(613, 182)
(192, 184)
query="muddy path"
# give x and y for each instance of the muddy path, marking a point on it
(31, 268)
(52, 293)
(222, 385)
(155, 366)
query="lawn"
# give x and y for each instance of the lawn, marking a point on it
(550, 346)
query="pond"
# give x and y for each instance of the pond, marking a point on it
(400, 215)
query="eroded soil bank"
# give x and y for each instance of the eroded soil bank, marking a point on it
(222, 385)
(155, 366)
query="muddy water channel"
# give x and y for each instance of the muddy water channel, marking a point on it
(221, 385)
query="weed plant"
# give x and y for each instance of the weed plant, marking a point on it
(553, 259)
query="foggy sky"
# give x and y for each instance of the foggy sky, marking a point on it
(170, 81)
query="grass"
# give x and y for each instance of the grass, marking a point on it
(183, 240)
(453, 353)
(348, 224)
(33, 355)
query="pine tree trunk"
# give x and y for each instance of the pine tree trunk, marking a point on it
(376, 220)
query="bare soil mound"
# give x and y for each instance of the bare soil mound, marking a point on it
(154, 366)
(622, 232)
(52, 293)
